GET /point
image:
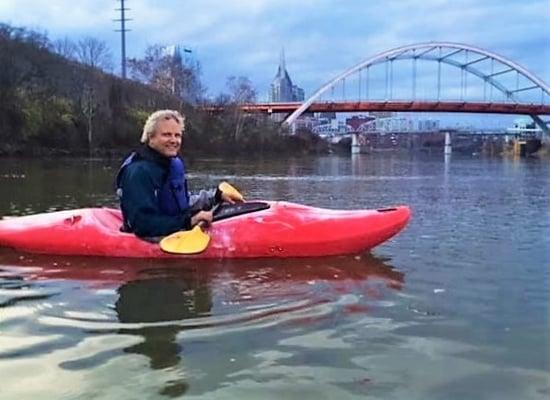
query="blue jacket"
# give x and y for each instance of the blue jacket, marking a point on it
(141, 186)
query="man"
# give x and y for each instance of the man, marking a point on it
(152, 187)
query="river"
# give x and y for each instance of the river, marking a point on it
(457, 306)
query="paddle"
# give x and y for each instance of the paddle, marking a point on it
(230, 191)
(196, 240)
(186, 242)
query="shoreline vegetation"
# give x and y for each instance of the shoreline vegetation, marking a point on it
(56, 98)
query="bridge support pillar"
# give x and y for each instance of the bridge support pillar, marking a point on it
(542, 125)
(448, 148)
(355, 148)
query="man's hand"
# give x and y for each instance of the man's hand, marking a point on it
(228, 198)
(205, 216)
(229, 193)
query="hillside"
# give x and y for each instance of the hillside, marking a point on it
(52, 104)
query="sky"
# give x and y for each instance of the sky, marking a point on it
(321, 38)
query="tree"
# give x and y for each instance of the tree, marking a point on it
(88, 106)
(95, 53)
(65, 47)
(164, 69)
(18, 74)
(240, 91)
(23, 35)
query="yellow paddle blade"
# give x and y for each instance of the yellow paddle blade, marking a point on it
(185, 242)
(231, 191)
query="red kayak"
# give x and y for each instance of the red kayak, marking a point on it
(280, 229)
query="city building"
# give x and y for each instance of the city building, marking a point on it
(282, 88)
(524, 127)
(356, 121)
(381, 114)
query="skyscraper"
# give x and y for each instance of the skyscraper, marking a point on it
(282, 88)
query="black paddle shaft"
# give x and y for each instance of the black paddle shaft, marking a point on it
(225, 211)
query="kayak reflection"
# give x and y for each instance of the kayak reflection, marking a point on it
(112, 272)
(159, 299)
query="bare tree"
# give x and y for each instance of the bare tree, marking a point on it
(23, 35)
(166, 72)
(88, 106)
(65, 47)
(154, 69)
(240, 91)
(95, 53)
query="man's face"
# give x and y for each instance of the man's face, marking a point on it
(167, 138)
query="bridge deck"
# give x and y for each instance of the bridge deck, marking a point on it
(401, 106)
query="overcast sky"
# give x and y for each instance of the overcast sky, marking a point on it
(321, 37)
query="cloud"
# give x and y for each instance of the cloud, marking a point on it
(60, 16)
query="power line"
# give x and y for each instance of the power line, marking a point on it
(122, 31)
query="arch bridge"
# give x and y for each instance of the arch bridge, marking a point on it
(442, 77)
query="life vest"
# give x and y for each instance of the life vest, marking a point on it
(173, 197)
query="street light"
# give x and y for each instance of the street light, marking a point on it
(186, 51)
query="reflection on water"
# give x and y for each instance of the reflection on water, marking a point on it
(161, 300)
(170, 304)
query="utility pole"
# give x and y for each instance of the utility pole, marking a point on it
(122, 31)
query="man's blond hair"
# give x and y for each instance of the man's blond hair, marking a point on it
(151, 124)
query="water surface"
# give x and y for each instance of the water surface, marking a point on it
(457, 306)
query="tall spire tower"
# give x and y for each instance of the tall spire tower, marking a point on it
(282, 64)
(282, 89)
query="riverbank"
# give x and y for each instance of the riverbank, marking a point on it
(434, 143)
(280, 146)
